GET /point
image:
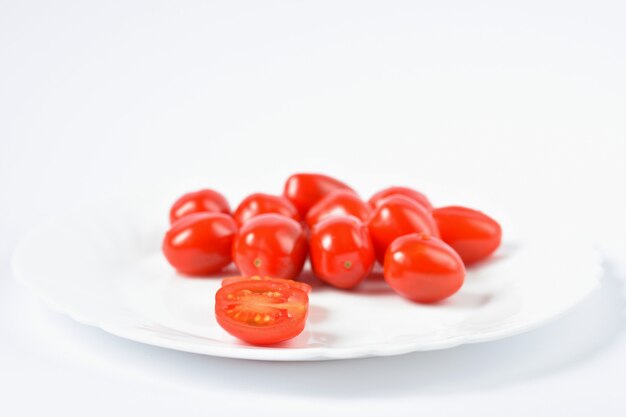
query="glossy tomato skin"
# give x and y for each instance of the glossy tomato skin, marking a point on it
(200, 243)
(414, 195)
(199, 201)
(299, 285)
(423, 268)
(341, 250)
(270, 245)
(471, 233)
(396, 216)
(261, 312)
(338, 203)
(304, 190)
(260, 203)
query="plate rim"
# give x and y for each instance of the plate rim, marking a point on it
(316, 353)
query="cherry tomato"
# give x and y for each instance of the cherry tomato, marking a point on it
(304, 190)
(341, 251)
(270, 245)
(396, 216)
(200, 243)
(340, 202)
(423, 268)
(299, 285)
(261, 312)
(199, 201)
(416, 196)
(256, 204)
(472, 234)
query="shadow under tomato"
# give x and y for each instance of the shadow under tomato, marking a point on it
(504, 252)
(229, 271)
(373, 288)
(317, 314)
(376, 274)
(373, 284)
(307, 276)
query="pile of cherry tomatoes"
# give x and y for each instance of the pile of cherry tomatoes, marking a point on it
(423, 250)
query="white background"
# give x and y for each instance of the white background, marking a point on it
(523, 102)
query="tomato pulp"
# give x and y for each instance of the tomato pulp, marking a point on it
(296, 284)
(261, 312)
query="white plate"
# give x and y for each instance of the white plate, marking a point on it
(102, 266)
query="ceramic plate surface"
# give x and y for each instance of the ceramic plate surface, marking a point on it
(102, 266)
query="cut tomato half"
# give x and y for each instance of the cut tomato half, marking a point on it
(261, 312)
(299, 285)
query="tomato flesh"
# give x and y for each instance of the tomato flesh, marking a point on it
(261, 312)
(299, 285)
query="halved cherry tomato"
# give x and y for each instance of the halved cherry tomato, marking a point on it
(340, 202)
(423, 268)
(341, 251)
(304, 190)
(270, 245)
(259, 203)
(471, 233)
(199, 201)
(397, 216)
(414, 195)
(261, 312)
(296, 284)
(200, 243)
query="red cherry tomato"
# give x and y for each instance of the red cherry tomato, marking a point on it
(472, 234)
(396, 216)
(261, 312)
(423, 268)
(340, 202)
(299, 285)
(304, 190)
(341, 251)
(270, 245)
(256, 204)
(200, 243)
(416, 196)
(199, 201)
